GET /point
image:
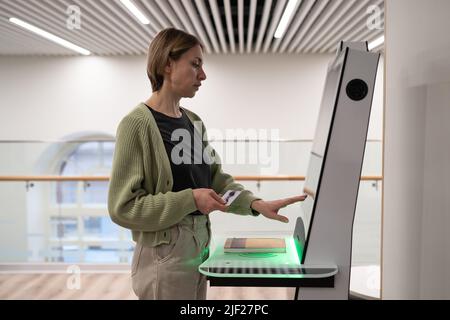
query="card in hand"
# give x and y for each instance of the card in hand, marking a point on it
(230, 196)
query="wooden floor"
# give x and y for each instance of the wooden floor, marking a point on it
(106, 286)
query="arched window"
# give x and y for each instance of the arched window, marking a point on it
(80, 229)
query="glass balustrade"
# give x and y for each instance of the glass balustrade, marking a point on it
(45, 218)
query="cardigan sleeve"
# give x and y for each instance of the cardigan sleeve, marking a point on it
(222, 182)
(129, 204)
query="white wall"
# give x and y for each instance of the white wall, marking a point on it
(39, 95)
(416, 221)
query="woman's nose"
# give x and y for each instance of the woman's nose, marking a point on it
(202, 75)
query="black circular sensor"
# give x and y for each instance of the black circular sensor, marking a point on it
(357, 89)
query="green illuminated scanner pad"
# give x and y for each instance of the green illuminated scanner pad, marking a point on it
(261, 265)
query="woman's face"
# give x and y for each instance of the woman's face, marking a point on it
(186, 74)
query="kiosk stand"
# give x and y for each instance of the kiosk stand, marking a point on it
(318, 255)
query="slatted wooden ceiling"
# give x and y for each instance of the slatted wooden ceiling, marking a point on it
(225, 26)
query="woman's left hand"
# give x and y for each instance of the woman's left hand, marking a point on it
(269, 209)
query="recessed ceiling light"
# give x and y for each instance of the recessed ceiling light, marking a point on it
(49, 36)
(285, 18)
(375, 43)
(135, 11)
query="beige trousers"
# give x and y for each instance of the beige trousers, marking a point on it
(170, 271)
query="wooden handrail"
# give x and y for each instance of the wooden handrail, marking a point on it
(106, 178)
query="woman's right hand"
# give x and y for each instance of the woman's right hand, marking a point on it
(207, 200)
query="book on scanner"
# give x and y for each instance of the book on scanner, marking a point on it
(277, 245)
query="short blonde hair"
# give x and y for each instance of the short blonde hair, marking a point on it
(168, 43)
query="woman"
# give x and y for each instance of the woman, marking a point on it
(163, 195)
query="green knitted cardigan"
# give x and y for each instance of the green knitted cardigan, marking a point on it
(140, 196)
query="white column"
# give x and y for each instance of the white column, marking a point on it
(416, 214)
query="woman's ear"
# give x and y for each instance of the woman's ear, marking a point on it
(168, 67)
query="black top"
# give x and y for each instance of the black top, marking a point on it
(184, 147)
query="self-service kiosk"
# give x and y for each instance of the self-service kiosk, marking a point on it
(317, 260)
